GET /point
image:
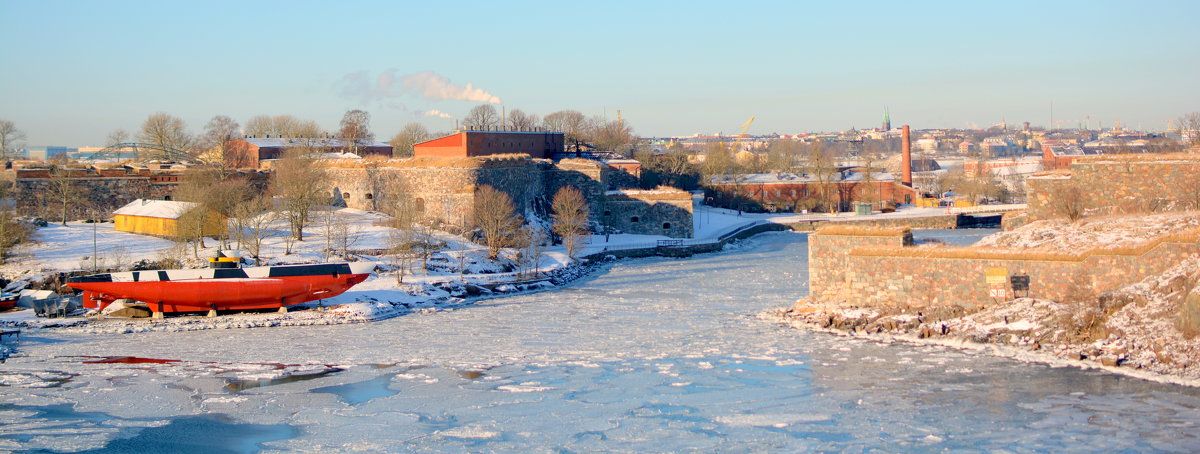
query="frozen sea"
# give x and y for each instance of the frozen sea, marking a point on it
(648, 355)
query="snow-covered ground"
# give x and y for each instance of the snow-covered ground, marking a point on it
(1059, 235)
(57, 248)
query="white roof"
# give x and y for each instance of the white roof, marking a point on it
(166, 209)
(314, 141)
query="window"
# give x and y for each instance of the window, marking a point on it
(345, 195)
(666, 226)
(369, 196)
(420, 203)
(634, 219)
(607, 213)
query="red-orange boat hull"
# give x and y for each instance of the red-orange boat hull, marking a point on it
(293, 285)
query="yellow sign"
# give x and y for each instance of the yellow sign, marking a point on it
(996, 275)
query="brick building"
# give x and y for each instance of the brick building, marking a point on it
(249, 153)
(538, 145)
(787, 192)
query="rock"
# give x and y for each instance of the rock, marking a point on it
(1110, 361)
(122, 309)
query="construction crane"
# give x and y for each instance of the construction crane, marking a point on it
(745, 126)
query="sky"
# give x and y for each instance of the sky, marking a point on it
(73, 71)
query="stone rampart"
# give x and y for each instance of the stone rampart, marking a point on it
(655, 212)
(445, 189)
(444, 192)
(885, 270)
(948, 221)
(1117, 184)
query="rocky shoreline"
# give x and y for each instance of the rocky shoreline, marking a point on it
(1130, 332)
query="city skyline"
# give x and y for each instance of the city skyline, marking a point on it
(671, 69)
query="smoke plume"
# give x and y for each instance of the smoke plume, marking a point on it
(435, 113)
(362, 87)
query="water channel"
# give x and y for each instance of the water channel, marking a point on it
(648, 355)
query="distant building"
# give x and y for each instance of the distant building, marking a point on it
(249, 153)
(161, 218)
(47, 153)
(999, 146)
(928, 145)
(538, 145)
(790, 192)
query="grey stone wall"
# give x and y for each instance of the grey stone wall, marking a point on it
(1117, 186)
(34, 197)
(448, 192)
(646, 216)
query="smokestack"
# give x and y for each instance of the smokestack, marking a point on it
(906, 157)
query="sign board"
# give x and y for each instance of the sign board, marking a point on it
(1020, 283)
(996, 275)
(999, 293)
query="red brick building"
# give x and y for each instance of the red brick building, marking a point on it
(1059, 155)
(538, 145)
(249, 153)
(787, 192)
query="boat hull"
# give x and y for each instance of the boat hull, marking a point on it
(202, 290)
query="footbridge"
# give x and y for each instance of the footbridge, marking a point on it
(144, 152)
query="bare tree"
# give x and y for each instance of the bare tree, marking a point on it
(400, 252)
(533, 248)
(1068, 201)
(615, 135)
(216, 139)
(64, 190)
(518, 120)
(496, 216)
(11, 139)
(12, 231)
(116, 137)
(166, 131)
(355, 130)
(574, 125)
(718, 161)
(1189, 129)
(821, 164)
(481, 118)
(254, 219)
(296, 181)
(412, 134)
(570, 219)
(202, 188)
(281, 126)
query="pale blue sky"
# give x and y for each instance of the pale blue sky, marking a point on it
(72, 71)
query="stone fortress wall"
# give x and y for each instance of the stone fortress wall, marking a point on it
(876, 266)
(1116, 184)
(97, 190)
(445, 189)
(883, 268)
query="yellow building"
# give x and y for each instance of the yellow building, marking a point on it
(161, 218)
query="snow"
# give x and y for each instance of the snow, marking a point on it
(166, 209)
(1110, 232)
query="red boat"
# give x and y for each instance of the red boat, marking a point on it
(8, 300)
(263, 287)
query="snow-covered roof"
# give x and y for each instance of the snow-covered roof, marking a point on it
(343, 155)
(165, 209)
(279, 142)
(785, 178)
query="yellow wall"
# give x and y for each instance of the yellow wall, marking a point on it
(161, 226)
